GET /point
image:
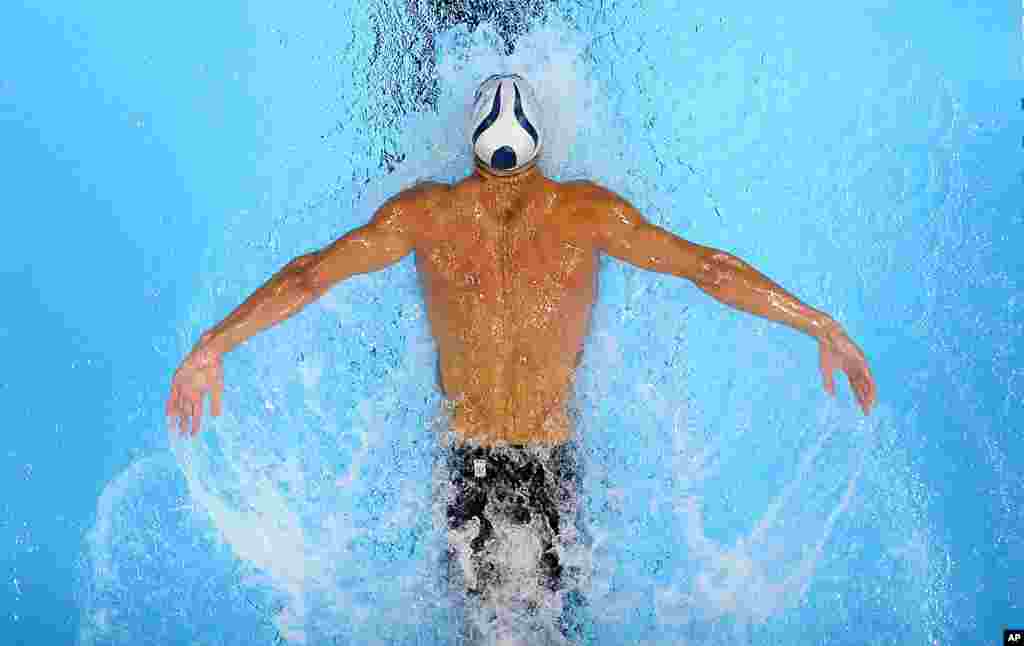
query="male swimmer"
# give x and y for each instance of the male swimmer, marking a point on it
(508, 261)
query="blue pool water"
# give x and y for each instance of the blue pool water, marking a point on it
(162, 160)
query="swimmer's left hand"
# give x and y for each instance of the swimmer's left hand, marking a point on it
(839, 351)
(200, 373)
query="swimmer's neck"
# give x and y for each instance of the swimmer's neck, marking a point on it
(528, 174)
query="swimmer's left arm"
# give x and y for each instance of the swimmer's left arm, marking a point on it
(622, 232)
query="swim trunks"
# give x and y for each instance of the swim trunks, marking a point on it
(504, 491)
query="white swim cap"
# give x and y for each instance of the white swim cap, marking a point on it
(505, 123)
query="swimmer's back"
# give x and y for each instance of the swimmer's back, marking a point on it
(508, 267)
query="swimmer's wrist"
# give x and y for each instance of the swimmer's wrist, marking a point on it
(825, 328)
(210, 342)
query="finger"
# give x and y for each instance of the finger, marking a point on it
(826, 372)
(174, 410)
(186, 416)
(184, 411)
(175, 402)
(867, 380)
(215, 395)
(170, 400)
(181, 408)
(864, 388)
(197, 413)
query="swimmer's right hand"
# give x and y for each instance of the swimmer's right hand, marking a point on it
(202, 371)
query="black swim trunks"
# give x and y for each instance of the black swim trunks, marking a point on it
(500, 489)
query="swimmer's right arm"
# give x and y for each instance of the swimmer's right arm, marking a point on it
(383, 241)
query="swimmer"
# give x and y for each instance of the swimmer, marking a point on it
(508, 261)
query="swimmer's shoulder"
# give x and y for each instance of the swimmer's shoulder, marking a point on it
(588, 202)
(585, 192)
(432, 208)
(423, 193)
(415, 204)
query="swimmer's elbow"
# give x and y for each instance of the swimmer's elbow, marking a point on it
(305, 278)
(321, 270)
(372, 247)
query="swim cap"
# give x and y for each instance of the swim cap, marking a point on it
(506, 123)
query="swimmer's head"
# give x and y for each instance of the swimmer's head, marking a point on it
(505, 124)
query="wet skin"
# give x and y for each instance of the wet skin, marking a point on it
(509, 270)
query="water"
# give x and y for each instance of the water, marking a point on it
(725, 496)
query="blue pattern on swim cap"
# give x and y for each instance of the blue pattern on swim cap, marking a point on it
(521, 117)
(491, 118)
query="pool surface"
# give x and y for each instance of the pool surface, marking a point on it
(162, 161)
